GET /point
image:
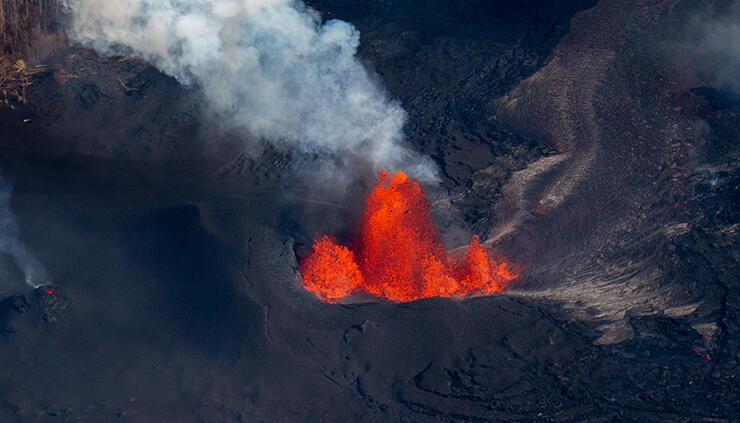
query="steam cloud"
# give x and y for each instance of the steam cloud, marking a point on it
(269, 66)
(714, 47)
(11, 244)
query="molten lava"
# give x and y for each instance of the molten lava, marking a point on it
(330, 271)
(399, 254)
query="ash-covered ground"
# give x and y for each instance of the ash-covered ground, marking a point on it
(594, 144)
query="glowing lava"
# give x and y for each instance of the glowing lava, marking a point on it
(330, 271)
(399, 254)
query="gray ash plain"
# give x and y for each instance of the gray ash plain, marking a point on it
(566, 135)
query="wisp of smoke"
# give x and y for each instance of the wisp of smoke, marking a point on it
(10, 241)
(269, 67)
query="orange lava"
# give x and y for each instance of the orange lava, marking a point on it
(330, 271)
(399, 254)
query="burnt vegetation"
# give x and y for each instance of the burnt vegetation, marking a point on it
(29, 33)
(29, 29)
(15, 78)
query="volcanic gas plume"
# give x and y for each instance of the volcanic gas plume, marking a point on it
(398, 253)
(11, 243)
(270, 68)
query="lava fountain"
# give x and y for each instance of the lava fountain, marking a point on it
(398, 253)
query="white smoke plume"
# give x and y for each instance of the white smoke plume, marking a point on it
(713, 47)
(269, 66)
(11, 244)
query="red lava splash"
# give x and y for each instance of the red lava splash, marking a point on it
(330, 271)
(399, 254)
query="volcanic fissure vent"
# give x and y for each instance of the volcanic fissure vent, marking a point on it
(398, 253)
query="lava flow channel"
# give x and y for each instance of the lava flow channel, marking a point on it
(399, 254)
